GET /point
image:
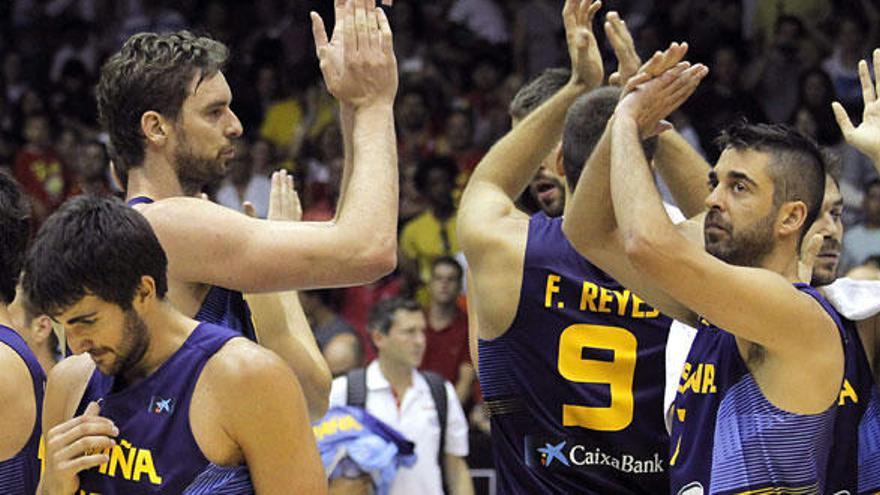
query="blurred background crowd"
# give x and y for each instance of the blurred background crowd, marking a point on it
(460, 62)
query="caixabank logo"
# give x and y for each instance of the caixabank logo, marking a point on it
(563, 454)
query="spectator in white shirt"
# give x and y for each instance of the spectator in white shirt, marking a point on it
(399, 395)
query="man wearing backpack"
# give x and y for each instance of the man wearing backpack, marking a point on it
(420, 405)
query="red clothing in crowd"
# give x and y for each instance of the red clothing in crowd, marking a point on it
(447, 348)
(43, 176)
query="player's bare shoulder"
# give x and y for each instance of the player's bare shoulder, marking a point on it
(65, 385)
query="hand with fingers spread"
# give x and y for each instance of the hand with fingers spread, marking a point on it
(649, 102)
(628, 60)
(583, 50)
(865, 137)
(357, 62)
(73, 446)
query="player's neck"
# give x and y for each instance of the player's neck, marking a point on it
(155, 179)
(399, 375)
(168, 329)
(781, 261)
(5, 318)
(45, 356)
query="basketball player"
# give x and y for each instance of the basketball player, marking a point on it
(165, 102)
(756, 405)
(22, 380)
(555, 427)
(158, 405)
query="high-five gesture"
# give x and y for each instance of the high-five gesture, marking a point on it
(628, 61)
(358, 62)
(865, 137)
(586, 61)
(649, 102)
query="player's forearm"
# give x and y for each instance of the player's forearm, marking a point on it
(460, 482)
(368, 216)
(513, 161)
(589, 221)
(346, 122)
(684, 171)
(282, 327)
(644, 225)
(465, 384)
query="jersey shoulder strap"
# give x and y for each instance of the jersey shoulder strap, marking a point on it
(437, 384)
(356, 390)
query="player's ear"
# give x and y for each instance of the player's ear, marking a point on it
(154, 127)
(792, 216)
(377, 337)
(145, 293)
(560, 167)
(41, 328)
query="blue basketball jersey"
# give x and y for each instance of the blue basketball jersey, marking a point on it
(155, 451)
(575, 386)
(728, 438)
(224, 307)
(856, 396)
(20, 474)
(869, 445)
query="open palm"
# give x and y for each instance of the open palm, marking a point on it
(865, 137)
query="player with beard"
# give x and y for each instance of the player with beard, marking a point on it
(742, 418)
(571, 410)
(858, 302)
(22, 380)
(166, 105)
(167, 387)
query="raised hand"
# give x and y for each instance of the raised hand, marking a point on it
(809, 252)
(865, 137)
(648, 102)
(583, 50)
(283, 200)
(358, 62)
(76, 445)
(628, 60)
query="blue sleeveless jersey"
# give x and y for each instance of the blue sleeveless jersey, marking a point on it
(859, 394)
(20, 474)
(728, 438)
(155, 451)
(575, 386)
(224, 307)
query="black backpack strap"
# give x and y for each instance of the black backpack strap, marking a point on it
(356, 392)
(438, 392)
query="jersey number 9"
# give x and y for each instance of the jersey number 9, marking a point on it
(617, 373)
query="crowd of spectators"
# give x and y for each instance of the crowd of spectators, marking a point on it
(460, 62)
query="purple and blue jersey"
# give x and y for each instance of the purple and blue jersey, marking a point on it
(155, 451)
(728, 438)
(224, 307)
(20, 474)
(574, 388)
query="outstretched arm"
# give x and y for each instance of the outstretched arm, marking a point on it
(279, 320)
(361, 245)
(865, 137)
(491, 230)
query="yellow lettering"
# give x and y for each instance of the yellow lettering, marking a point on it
(685, 372)
(605, 297)
(143, 464)
(708, 379)
(847, 392)
(348, 423)
(693, 382)
(637, 302)
(622, 299)
(588, 296)
(552, 288)
(124, 460)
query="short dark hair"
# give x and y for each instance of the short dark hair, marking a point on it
(382, 314)
(14, 233)
(151, 72)
(92, 245)
(537, 91)
(447, 260)
(423, 170)
(585, 123)
(797, 167)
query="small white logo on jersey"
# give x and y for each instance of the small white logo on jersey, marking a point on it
(694, 488)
